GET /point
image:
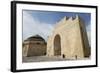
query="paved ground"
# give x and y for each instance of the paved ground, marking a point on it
(45, 58)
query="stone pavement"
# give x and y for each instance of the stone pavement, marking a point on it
(45, 58)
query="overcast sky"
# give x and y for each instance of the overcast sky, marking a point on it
(43, 22)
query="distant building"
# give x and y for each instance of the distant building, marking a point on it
(69, 39)
(34, 46)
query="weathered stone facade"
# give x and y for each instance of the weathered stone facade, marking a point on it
(34, 46)
(69, 39)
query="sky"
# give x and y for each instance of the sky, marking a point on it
(43, 22)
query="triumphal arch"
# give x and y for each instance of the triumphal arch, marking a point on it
(69, 39)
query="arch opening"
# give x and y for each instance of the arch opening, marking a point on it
(57, 45)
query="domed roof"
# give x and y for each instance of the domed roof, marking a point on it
(35, 38)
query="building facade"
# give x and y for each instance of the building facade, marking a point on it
(69, 39)
(34, 46)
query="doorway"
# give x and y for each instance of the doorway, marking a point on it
(57, 45)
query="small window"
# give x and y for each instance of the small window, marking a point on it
(38, 43)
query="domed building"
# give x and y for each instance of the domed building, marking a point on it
(34, 46)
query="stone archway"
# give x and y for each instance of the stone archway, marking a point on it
(57, 45)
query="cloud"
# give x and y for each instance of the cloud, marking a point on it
(32, 26)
